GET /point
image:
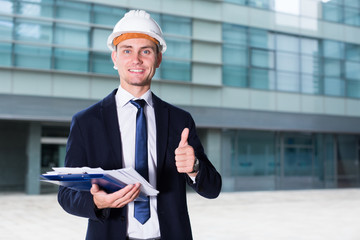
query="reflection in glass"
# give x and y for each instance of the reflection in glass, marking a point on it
(33, 31)
(178, 48)
(310, 65)
(261, 38)
(176, 70)
(334, 86)
(71, 60)
(176, 25)
(287, 62)
(352, 52)
(309, 46)
(332, 12)
(310, 84)
(234, 76)
(102, 63)
(5, 53)
(352, 16)
(287, 43)
(6, 27)
(36, 8)
(353, 88)
(288, 82)
(262, 79)
(6, 7)
(235, 55)
(262, 58)
(107, 15)
(72, 35)
(68, 10)
(352, 70)
(32, 56)
(333, 49)
(99, 38)
(332, 67)
(234, 34)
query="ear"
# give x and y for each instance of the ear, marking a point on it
(113, 57)
(159, 59)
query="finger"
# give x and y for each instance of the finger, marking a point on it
(184, 137)
(94, 189)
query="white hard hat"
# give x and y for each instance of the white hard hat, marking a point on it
(137, 21)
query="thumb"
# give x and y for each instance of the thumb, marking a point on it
(184, 137)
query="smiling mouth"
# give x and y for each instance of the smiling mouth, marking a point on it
(136, 70)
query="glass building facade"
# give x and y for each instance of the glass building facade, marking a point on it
(273, 85)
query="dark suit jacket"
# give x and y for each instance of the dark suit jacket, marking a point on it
(94, 141)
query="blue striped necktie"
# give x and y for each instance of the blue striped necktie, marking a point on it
(141, 208)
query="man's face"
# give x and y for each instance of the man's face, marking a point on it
(137, 60)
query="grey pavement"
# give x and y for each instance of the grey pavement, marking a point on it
(273, 215)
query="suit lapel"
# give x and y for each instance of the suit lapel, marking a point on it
(110, 119)
(162, 122)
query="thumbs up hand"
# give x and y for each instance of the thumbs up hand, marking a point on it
(185, 155)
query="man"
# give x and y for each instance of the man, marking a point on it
(107, 135)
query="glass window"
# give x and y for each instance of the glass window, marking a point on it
(99, 39)
(310, 65)
(352, 52)
(261, 38)
(178, 48)
(176, 25)
(334, 87)
(33, 31)
(68, 10)
(102, 63)
(262, 79)
(36, 8)
(309, 46)
(262, 58)
(235, 55)
(352, 16)
(352, 3)
(332, 67)
(332, 12)
(234, 76)
(5, 53)
(240, 2)
(107, 15)
(176, 70)
(234, 34)
(333, 49)
(352, 70)
(310, 84)
(71, 60)
(287, 43)
(6, 6)
(72, 35)
(287, 62)
(287, 82)
(259, 3)
(32, 56)
(353, 89)
(6, 27)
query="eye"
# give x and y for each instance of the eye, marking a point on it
(127, 51)
(146, 51)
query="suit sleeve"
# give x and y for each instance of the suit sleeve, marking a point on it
(208, 181)
(79, 203)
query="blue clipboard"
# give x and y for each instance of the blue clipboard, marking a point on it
(83, 182)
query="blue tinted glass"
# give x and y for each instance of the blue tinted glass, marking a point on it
(287, 82)
(33, 31)
(73, 11)
(178, 48)
(310, 84)
(102, 63)
(99, 38)
(333, 49)
(72, 35)
(6, 7)
(107, 15)
(287, 43)
(262, 58)
(37, 9)
(235, 55)
(352, 52)
(332, 67)
(5, 53)
(352, 16)
(259, 3)
(234, 76)
(32, 56)
(262, 79)
(332, 12)
(176, 25)
(310, 65)
(71, 60)
(352, 70)
(287, 62)
(261, 38)
(309, 46)
(352, 3)
(176, 70)
(353, 89)
(234, 34)
(334, 87)
(6, 27)
(240, 2)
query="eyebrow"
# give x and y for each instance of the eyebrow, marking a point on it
(143, 47)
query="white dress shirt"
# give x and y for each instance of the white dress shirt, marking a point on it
(127, 122)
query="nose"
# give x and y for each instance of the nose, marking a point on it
(136, 59)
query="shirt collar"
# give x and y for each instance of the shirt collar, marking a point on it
(123, 97)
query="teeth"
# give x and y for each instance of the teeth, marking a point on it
(135, 70)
